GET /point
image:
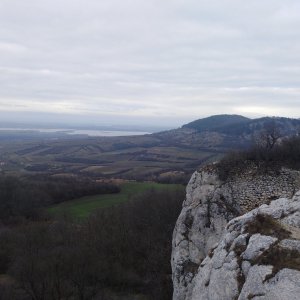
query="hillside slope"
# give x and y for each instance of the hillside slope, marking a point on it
(238, 125)
(226, 132)
(217, 122)
(146, 157)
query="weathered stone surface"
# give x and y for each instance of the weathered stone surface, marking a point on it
(254, 283)
(207, 209)
(217, 255)
(257, 245)
(285, 285)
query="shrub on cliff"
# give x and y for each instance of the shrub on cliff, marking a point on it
(262, 159)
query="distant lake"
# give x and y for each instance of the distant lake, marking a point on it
(107, 133)
(88, 132)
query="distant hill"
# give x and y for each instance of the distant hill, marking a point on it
(225, 132)
(217, 122)
(236, 125)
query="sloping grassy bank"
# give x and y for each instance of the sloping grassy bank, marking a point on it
(81, 208)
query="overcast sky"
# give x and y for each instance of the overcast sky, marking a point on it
(161, 61)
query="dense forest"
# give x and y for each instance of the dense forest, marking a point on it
(117, 253)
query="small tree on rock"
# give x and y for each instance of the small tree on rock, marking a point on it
(269, 136)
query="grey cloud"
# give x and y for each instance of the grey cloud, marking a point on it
(150, 58)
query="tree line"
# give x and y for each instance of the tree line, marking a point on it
(25, 197)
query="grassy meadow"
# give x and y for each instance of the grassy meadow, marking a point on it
(81, 208)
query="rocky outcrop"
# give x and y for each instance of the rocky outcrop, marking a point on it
(211, 262)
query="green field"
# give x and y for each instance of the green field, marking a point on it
(81, 208)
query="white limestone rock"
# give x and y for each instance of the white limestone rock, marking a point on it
(257, 245)
(207, 209)
(257, 255)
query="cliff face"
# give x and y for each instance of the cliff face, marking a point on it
(211, 262)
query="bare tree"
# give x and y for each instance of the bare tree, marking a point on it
(269, 136)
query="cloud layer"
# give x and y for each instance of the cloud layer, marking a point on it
(173, 59)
